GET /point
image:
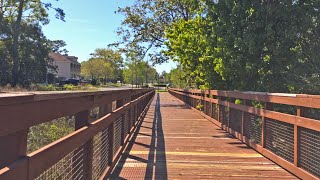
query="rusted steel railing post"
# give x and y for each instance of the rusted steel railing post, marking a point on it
(81, 120)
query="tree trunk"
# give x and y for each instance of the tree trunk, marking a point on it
(15, 44)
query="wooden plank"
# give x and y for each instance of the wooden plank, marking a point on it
(312, 101)
(42, 159)
(82, 120)
(46, 107)
(13, 147)
(282, 162)
(287, 118)
(179, 144)
(17, 170)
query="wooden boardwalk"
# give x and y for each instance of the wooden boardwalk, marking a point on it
(175, 142)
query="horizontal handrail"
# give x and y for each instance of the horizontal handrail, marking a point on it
(292, 141)
(132, 103)
(23, 111)
(303, 100)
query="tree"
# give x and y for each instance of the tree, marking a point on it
(137, 71)
(146, 21)
(249, 45)
(20, 31)
(114, 59)
(177, 78)
(97, 69)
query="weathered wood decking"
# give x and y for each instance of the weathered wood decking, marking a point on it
(175, 142)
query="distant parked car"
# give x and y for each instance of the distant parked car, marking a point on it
(70, 81)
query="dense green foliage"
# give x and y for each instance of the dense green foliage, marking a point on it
(23, 46)
(46, 133)
(137, 72)
(105, 65)
(177, 78)
(253, 45)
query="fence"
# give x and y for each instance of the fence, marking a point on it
(283, 127)
(89, 152)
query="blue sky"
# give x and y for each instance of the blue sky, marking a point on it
(89, 25)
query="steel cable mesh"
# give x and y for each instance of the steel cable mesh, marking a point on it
(132, 118)
(214, 111)
(188, 100)
(202, 105)
(309, 150)
(126, 123)
(235, 120)
(252, 127)
(69, 167)
(117, 135)
(279, 138)
(208, 107)
(224, 114)
(100, 153)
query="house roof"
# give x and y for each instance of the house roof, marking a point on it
(58, 57)
(64, 58)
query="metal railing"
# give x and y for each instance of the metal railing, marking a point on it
(89, 152)
(283, 127)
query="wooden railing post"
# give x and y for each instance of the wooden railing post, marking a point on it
(104, 110)
(300, 112)
(263, 126)
(81, 120)
(111, 143)
(119, 103)
(242, 120)
(13, 147)
(219, 111)
(123, 134)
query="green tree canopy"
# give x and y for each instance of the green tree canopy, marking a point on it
(23, 46)
(234, 45)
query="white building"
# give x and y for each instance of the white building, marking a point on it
(67, 66)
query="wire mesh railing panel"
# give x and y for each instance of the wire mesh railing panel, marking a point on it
(69, 167)
(235, 120)
(126, 123)
(117, 135)
(309, 150)
(100, 154)
(279, 138)
(215, 111)
(188, 100)
(252, 127)
(208, 108)
(132, 118)
(224, 114)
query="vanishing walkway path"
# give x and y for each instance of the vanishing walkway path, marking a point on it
(175, 142)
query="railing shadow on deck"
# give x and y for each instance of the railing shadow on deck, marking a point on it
(157, 149)
(284, 128)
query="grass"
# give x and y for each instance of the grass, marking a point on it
(161, 90)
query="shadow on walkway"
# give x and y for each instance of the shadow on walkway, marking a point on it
(156, 165)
